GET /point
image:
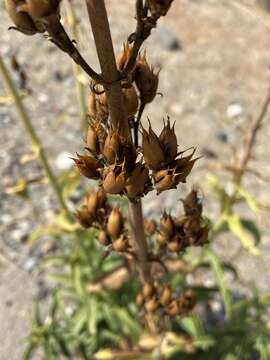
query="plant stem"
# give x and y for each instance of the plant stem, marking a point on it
(36, 144)
(101, 31)
(102, 36)
(72, 21)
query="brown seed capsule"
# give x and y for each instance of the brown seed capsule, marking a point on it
(22, 20)
(166, 225)
(95, 200)
(104, 238)
(167, 180)
(120, 244)
(152, 150)
(150, 226)
(88, 166)
(168, 140)
(166, 295)
(151, 305)
(192, 204)
(173, 246)
(202, 237)
(114, 180)
(183, 167)
(159, 7)
(138, 182)
(192, 225)
(98, 106)
(173, 308)
(85, 218)
(115, 223)
(146, 80)
(139, 299)
(94, 131)
(42, 8)
(186, 302)
(162, 239)
(112, 146)
(131, 101)
(148, 290)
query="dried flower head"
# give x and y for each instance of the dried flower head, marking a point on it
(168, 140)
(84, 217)
(21, 19)
(146, 79)
(124, 56)
(88, 166)
(152, 150)
(42, 8)
(131, 101)
(138, 183)
(150, 226)
(114, 179)
(97, 104)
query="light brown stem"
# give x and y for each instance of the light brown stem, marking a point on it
(140, 244)
(102, 36)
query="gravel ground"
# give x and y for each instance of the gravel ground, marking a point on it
(215, 60)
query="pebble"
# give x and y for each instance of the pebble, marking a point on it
(167, 39)
(177, 108)
(64, 161)
(222, 137)
(234, 110)
(30, 264)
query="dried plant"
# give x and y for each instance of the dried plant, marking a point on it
(130, 161)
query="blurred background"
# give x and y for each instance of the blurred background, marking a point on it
(214, 57)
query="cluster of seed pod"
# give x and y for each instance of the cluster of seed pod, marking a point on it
(162, 157)
(154, 297)
(30, 16)
(96, 212)
(176, 234)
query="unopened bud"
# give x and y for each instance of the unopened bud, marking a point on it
(131, 101)
(173, 308)
(112, 146)
(139, 299)
(148, 290)
(138, 182)
(85, 218)
(115, 223)
(103, 238)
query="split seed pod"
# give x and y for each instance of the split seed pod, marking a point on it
(165, 180)
(152, 150)
(21, 20)
(95, 200)
(88, 166)
(112, 146)
(138, 182)
(192, 204)
(166, 225)
(94, 137)
(146, 80)
(115, 223)
(114, 179)
(168, 140)
(173, 308)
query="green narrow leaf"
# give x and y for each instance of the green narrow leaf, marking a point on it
(193, 326)
(92, 315)
(240, 232)
(220, 279)
(250, 200)
(29, 351)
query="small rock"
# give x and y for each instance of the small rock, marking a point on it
(30, 264)
(222, 137)
(64, 161)
(234, 110)
(167, 39)
(177, 108)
